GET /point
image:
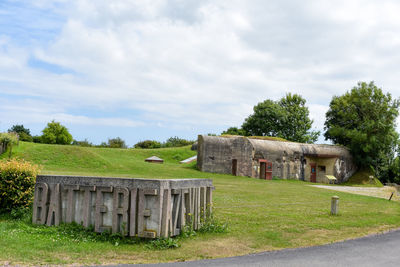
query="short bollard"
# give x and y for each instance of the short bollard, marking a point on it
(335, 205)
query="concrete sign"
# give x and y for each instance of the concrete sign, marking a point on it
(136, 207)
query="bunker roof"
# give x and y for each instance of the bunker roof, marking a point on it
(154, 158)
(290, 148)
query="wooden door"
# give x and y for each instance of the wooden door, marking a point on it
(313, 173)
(268, 171)
(262, 170)
(234, 167)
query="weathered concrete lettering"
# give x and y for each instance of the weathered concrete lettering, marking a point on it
(166, 223)
(40, 204)
(133, 211)
(120, 210)
(54, 214)
(101, 208)
(176, 211)
(87, 203)
(70, 201)
(146, 208)
(209, 201)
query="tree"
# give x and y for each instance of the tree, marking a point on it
(234, 131)
(116, 143)
(55, 133)
(287, 118)
(23, 133)
(364, 120)
(297, 123)
(148, 144)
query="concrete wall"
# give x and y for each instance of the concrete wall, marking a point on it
(289, 160)
(217, 154)
(136, 207)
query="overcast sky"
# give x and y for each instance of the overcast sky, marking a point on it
(155, 69)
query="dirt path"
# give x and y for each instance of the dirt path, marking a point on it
(381, 192)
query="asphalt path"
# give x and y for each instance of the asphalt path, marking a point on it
(374, 250)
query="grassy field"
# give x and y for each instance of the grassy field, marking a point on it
(262, 215)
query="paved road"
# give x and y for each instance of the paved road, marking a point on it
(376, 250)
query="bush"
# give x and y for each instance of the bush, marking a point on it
(25, 137)
(84, 143)
(17, 183)
(116, 143)
(8, 140)
(177, 142)
(148, 144)
(24, 133)
(37, 139)
(55, 133)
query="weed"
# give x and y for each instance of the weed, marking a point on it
(163, 243)
(213, 226)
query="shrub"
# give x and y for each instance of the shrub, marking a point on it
(177, 142)
(17, 182)
(116, 143)
(25, 137)
(24, 133)
(37, 139)
(84, 143)
(8, 140)
(148, 144)
(55, 133)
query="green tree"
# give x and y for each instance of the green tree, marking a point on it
(55, 133)
(234, 131)
(287, 118)
(23, 133)
(116, 143)
(148, 144)
(364, 120)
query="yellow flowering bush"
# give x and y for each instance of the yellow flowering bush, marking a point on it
(17, 184)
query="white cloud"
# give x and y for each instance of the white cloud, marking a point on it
(203, 62)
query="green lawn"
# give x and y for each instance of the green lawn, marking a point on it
(262, 215)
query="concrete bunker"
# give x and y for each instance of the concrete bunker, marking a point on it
(266, 159)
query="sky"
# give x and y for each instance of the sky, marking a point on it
(152, 69)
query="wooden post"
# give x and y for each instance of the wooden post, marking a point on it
(335, 205)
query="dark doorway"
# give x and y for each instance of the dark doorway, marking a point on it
(268, 171)
(263, 166)
(313, 174)
(234, 167)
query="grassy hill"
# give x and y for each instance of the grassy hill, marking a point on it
(78, 160)
(262, 215)
(361, 178)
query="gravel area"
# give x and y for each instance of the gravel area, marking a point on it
(381, 192)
